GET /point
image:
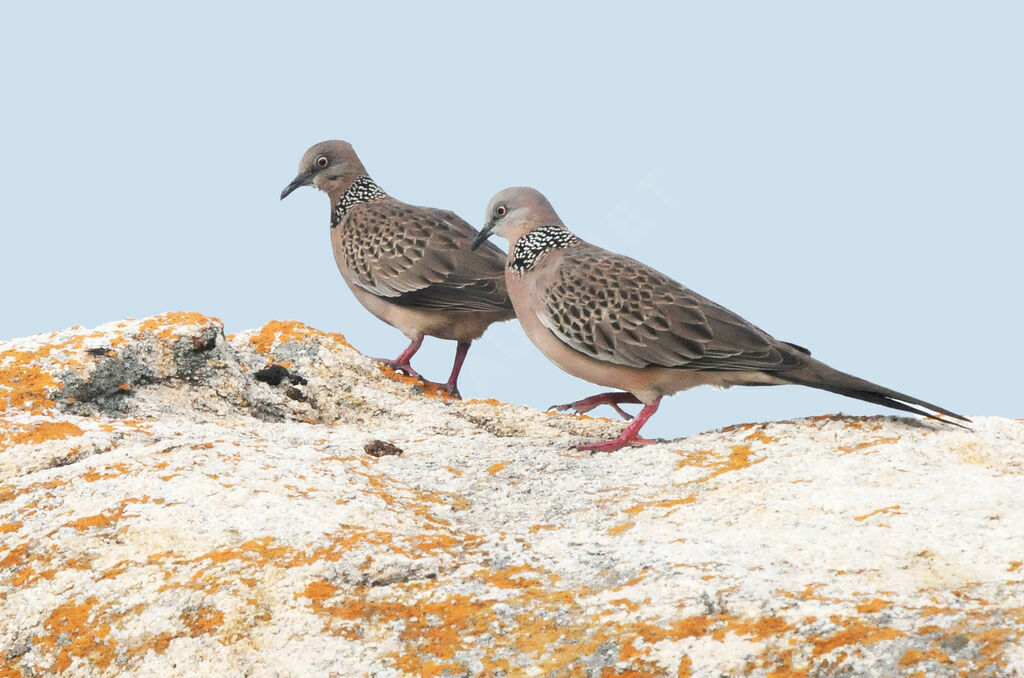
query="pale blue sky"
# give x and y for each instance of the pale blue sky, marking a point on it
(846, 175)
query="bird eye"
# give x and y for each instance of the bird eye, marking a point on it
(500, 211)
(321, 161)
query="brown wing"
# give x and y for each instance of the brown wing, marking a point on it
(616, 309)
(421, 256)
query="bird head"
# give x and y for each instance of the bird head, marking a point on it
(514, 212)
(329, 166)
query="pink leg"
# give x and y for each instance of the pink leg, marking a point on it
(612, 398)
(630, 436)
(452, 386)
(401, 363)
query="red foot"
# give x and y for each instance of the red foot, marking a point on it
(612, 398)
(401, 364)
(452, 388)
(630, 435)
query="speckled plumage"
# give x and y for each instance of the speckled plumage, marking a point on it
(614, 308)
(419, 256)
(617, 322)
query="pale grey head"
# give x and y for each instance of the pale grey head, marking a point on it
(329, 166)
(514, 212)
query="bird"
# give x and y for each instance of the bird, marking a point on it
(616, 322)
(410, 266)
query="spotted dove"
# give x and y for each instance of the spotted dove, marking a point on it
(616, 322)
(410, 266)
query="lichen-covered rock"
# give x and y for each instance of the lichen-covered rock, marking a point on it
(165, 512)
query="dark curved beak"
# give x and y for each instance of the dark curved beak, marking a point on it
(301, 180)
(483, 235)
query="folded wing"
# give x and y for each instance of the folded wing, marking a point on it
(420, 256)
(616, 309)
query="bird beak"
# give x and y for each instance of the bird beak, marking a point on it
(483, 235)
(301, 180)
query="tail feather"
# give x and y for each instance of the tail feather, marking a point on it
(817, 374)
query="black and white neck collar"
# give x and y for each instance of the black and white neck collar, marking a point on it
(362, 189)
(537, 242)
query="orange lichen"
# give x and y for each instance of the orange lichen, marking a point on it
(202, 621)
(428, 388)
(168, 325)
(73, 629)
(118, 469)
(760, 437)
(496, 468)
(549, 628)
(277, 332)
(27, 379)
(873, 605)
(932, 610)
(484, 401)
(33, 434)
(9, 527)
(659, 503)
(858, 634)
(98, 520)
(912, 656)
(894, 509)
(847, 449)
(14, 556)
(619, 529)
(157, 644)
(738, 459)
(23, 382)
(1014, 565)
(434, 542)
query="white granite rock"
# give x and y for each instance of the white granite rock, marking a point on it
(163, 512)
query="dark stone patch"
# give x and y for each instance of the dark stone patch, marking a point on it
(954, 643)
(202, 344)
(19, 649)
(380, 448)
(275, 374)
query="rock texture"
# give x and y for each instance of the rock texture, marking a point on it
(169, 506)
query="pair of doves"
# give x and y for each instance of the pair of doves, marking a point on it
(598, 315)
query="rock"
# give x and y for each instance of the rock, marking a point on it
(381, 448)
(164, 512)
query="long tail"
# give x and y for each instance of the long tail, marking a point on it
(817, 374)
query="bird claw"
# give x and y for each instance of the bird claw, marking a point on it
(576, 407)
(450, 389)
(617, 444)
(583, 409)
(403, 368)
(622, 413)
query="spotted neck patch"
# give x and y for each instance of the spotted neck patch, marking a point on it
(362, 189)
(537, 242)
